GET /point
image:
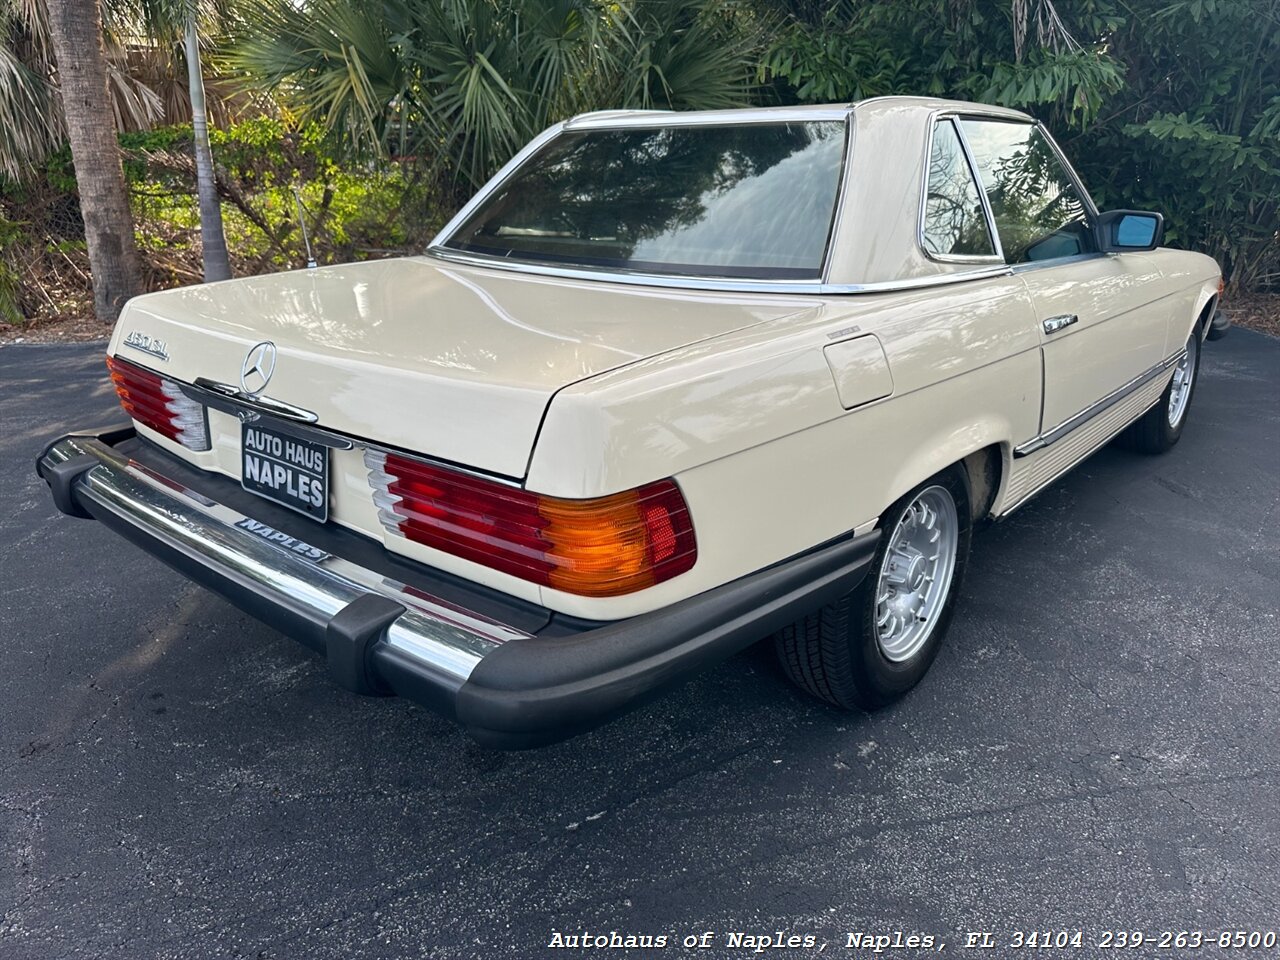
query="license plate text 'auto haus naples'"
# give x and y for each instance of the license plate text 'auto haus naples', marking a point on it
(286, 469)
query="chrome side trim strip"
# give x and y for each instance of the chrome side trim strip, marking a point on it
(817, 288)
(1088, 413)
(442, 638)
(1028, 266)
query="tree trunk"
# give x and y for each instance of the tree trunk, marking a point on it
(213, 240)
(75, 26)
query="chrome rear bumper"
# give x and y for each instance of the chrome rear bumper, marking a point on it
(507, 686)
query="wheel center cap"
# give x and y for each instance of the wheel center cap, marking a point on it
(907, 569)
(915, 573)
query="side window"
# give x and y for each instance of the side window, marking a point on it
(954, 222)
(1039, 213)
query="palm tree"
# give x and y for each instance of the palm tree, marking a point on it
(464, 83)
(28, 128)
(213, 239)
(75, 31)
(31, 124)
(142, 39)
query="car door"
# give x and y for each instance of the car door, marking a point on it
(1098, 319)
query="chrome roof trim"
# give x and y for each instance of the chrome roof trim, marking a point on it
(495, 182)
(600, 116)
(705, 118)
(814, 287)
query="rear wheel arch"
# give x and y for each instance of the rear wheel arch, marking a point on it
(1205, 317)
(874, 644)
(986, 469)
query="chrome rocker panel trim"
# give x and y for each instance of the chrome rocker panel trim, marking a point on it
(508, 688)
(1099, 406)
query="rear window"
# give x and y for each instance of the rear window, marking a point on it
(754, 201)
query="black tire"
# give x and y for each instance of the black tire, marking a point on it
(834, 653)
(1152, 432)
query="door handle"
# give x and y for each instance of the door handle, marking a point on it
(1054, 324)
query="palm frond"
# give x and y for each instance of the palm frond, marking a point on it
(30, 124)
(673, 55)
(335, 61)
(465, 83)
(134, 104)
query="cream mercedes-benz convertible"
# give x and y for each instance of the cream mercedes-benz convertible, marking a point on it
(671, 383)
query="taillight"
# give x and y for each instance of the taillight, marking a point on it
(602, 547)
(160, 404)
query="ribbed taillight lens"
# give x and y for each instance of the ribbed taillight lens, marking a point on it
(160, 404)
(601, 547)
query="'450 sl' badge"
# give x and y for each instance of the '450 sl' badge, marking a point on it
(152, 345)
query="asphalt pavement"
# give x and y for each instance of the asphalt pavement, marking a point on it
(1097, 747)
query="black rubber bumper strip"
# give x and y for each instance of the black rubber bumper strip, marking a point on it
(536, 691)
(61, 477)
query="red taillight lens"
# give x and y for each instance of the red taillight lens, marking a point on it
(160, 404)
(597, 548)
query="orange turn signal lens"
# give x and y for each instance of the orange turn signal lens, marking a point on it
(618, 544)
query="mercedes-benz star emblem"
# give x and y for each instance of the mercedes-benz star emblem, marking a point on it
(258, 366)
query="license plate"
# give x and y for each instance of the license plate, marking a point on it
(285, 469)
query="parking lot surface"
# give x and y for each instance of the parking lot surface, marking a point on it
(1096, 748)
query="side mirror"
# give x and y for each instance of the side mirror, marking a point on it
(1121, 230)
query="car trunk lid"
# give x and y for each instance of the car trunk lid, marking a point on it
(454, 362)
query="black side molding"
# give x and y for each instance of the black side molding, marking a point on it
(539, 690)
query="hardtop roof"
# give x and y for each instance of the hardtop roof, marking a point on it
(830, 111)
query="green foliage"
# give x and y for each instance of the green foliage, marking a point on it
(463, 84)
(1074, 83)
(829, 66)
(1194, 131)
(1171, 105)
(11, 234)
(349, 209)
(970, 51)
(386, 113)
